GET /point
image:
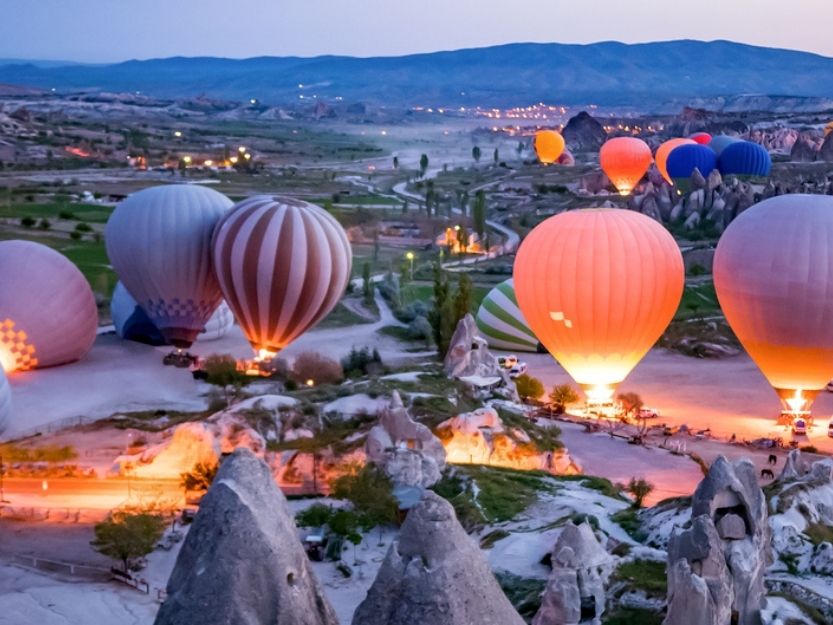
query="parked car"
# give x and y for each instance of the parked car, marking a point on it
(799, 426)
(518, 370)
(648, 413)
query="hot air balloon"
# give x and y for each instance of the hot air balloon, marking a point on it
(598, 287)
(661, 156)
(684, 159)
(502, 323)
(282, 265)
(159, 243)
(721, 142)
(828, 129)
(745, 158)
(702, 138)
(549, 145)
(48, 314)
(773, 273)
(5, 401)
(133, 324)
(625, 160)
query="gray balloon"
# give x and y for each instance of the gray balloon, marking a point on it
(159, 242)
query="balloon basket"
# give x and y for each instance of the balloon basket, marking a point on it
(180, 359)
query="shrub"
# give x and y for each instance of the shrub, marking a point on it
(28, 222)
(561, 395)
(420, 329)
(529, 387)
(65, 214)
(362, 362)
(316, 367)
(639, 488)
(75, 235)
(125, 537)
(44, 224)
(199, 478)
(83, 227)
(221, 370)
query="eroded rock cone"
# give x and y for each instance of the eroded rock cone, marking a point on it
(584, 133)
(435, 575)
(826, 151)
(242, 562)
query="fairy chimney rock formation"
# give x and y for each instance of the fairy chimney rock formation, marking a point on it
(730, 530)
(407, 451)
(242, 562)
(575, 591)
(435, 574)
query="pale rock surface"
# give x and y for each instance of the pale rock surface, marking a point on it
(407, 451)
(242, 562)
(435, 574)
(580, 570)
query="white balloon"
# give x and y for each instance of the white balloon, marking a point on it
(159, 243)
(48, 314)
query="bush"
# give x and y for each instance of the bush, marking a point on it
(371, 493)
(44, 224)
(529, 387)
(362, 362)
(561, 395)
(125, 537)
(200, 478)
(82, 227)
(316, 367)
(639, 488)
(75, 235)
(646, 575)
(65, 214)
(420, 329)
(28, 222)
(221, 370)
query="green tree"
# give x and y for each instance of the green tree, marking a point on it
(462, 298)
(199, 478)
(423, 165)
(317, 515)
(396, 162)
(476, 154)
(528, 387)
(496, 156)
(125, 536)
(462, 239)
(221, 370)
(478, 212)
(639, 488)
(371, 493)
(561, 395)
(367, 285)
(441, 315)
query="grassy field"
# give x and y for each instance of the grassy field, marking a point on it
(92, 213)
(699, 300)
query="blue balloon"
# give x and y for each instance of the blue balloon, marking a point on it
(745, 158)
(684, 159)
(131, 321)
(721, 142)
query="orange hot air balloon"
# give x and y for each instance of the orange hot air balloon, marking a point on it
(598, 287)
(773, 272)
(625, 160)
(661, 157)
(549, 146)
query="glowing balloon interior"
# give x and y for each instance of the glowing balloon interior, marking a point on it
(625, 160)
(549, 145)
(598, 287)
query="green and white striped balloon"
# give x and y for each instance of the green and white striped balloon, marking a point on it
(502, 323)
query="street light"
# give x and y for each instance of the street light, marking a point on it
(410, 257)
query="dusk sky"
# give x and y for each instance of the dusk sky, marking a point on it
(115, 30)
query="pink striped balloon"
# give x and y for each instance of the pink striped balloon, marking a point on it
(282, 265)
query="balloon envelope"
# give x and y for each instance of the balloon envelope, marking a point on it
(745, 158)
(684, 159)
(661, 156)
(133, 324)
(773, 273)
(702, 138)
(549, 146)
(5, 401)
(598, 287)
(48, 314)
(502, 323)
(625, 160)
(282, 265)
(159, 242)
(721, 142)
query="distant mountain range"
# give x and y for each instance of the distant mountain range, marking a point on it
(605, 73)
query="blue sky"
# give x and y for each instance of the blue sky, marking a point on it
(114, 30)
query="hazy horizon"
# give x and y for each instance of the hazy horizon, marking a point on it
(103, 31)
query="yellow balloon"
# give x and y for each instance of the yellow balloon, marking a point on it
(549, 145)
